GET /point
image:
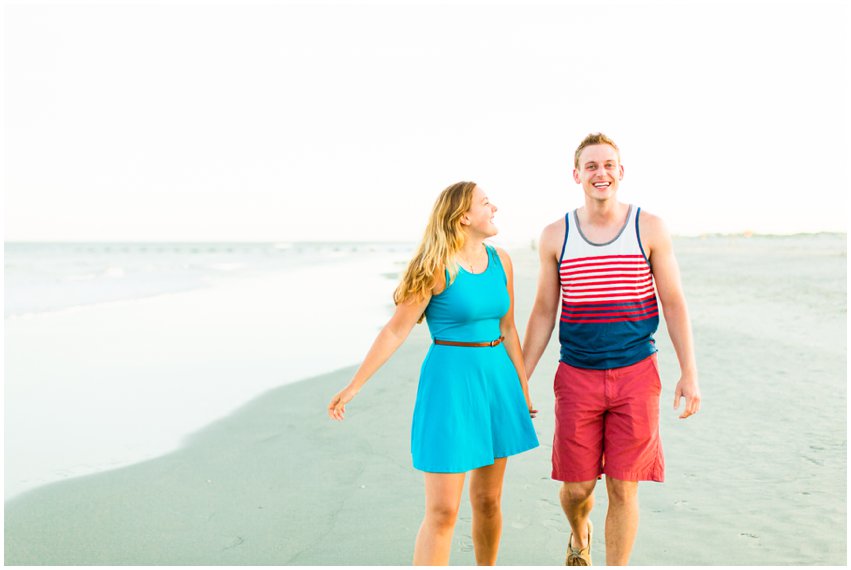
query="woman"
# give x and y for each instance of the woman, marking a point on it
(473, 408)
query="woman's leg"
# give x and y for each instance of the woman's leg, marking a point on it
(434, 540)
(485, 496)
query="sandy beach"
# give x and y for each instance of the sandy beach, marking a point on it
(758, 477)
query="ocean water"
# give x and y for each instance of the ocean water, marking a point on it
(115, 352)
(44, 277)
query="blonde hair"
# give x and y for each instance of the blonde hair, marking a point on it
(592, 139)
(442, 239)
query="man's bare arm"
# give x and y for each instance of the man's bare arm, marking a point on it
(543, 316)
(666, 273)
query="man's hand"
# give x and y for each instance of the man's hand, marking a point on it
(687, 388)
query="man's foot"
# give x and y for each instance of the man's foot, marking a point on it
(579, 556)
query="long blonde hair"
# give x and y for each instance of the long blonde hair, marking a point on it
(442, 239)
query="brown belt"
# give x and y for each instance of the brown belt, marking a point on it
(453, 343)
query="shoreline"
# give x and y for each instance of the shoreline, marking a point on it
(173, 356)
(277, 482)
(223, 477)
(46, 278)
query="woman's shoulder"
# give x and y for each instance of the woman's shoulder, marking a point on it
(439, 280)
(500, 253)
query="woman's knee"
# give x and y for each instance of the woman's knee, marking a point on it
(442, 515)
(486, 504)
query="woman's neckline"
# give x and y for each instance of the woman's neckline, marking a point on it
(485, 270)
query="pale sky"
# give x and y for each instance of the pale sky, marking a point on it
(281, 121)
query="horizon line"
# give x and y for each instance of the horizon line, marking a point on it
(746, 234)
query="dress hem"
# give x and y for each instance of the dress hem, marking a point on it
(477, 465)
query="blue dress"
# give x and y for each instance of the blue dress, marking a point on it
(470, 407)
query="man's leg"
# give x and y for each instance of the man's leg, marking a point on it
(621, 520)
(633, 451)
(578, 445)
(577, 500)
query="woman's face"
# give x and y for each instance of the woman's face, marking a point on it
(479, 218)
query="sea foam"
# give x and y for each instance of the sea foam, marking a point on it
(122, 365)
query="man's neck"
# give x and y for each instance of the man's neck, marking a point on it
(607, 213)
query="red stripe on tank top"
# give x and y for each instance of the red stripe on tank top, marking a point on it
(584, 307)
(610, 291)
(646, 298)
(643, 318)
(599, 257)
(589, 315)
(567, 266)
(638, 282)
(600, 271)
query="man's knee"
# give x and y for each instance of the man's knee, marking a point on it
(621, 491)
(577, 492)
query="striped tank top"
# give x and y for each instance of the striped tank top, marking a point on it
(609, 311)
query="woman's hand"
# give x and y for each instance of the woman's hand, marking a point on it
(532, 411)
(337, 407)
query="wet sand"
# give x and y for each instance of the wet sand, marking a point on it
(757, 478)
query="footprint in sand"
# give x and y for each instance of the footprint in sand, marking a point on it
(466, 543)
(551, 502)
(555, 524)
(234, 543)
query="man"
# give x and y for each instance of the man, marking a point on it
(598, 264)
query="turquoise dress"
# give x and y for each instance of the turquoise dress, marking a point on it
(470, 407)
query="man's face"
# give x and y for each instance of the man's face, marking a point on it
(599, 172)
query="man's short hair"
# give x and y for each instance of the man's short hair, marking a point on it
(592, 139)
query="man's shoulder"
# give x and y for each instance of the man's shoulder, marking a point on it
(553, 234)
(555, 228)
(650, 223)
(654, 233)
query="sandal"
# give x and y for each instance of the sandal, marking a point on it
(576, 556)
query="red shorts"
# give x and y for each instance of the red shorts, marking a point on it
(607, 421)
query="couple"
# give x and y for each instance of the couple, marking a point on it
(473, 408)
